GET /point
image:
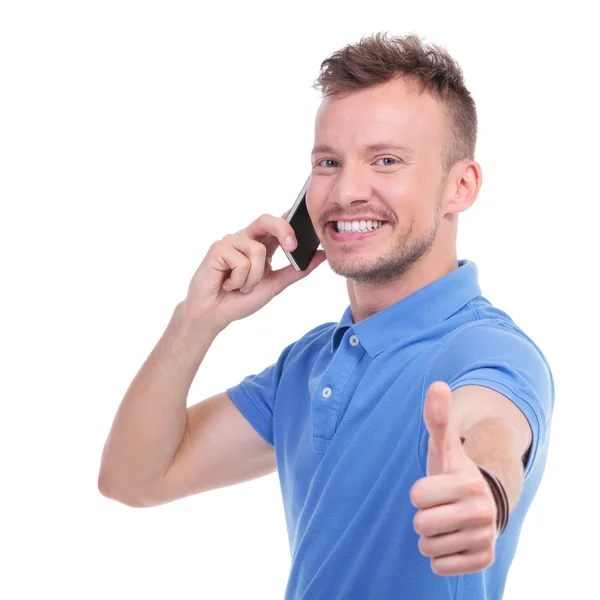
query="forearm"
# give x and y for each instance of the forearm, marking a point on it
(495, 444)
(151, 419)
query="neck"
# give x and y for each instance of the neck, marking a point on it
(366, 299)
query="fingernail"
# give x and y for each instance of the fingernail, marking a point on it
(246, 290)
(289, 241)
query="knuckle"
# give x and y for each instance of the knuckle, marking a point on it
(484, 511)
(486, 558)
(244, 263)
(424, 546)
(238, 275)
(415, 493)
(264, 219)
(259, 249)
(475, 486)
(484, 537)
(438, 567)
(489, 536)
(418, 523)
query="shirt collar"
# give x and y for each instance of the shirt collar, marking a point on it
(417, 312)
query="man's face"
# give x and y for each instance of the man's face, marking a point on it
(401, 186)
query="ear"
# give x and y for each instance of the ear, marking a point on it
(461, 187)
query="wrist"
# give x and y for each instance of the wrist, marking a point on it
(197, 321)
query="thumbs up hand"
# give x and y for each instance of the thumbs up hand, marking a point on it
(456, 519)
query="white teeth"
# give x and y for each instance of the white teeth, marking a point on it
(343, 226)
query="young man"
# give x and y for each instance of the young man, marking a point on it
(410, 437)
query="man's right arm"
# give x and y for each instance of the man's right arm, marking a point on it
(157, 449)
(151, 419)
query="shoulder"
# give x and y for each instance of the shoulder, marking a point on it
(496, 348)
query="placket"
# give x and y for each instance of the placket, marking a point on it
(327, 397)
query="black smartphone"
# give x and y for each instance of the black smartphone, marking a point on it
(307, 238)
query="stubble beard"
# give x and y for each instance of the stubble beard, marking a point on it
(392, 264)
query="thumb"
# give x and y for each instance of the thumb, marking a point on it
(436, 414)
(283, 278)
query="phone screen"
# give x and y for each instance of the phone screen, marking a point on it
(308, 241)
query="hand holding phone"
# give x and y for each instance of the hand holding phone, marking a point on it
(239, 261)
(308, 241)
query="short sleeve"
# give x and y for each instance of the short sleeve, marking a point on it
(255, 395)
(499, 357)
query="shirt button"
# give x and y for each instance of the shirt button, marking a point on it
(353, 340)
(326, 392)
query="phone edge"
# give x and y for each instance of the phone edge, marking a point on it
(291, 214)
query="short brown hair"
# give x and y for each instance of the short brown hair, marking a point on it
(380, 58)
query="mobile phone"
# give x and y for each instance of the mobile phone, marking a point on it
(306, 236)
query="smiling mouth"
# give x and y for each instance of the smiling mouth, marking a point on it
(380, 222)
(347, 236)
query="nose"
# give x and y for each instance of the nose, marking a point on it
(351, 186)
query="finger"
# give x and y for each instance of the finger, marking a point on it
(435, 490)
(467, 562)
(282, 278)
(256, 253)
(272, 243)
(436, 414)
(465, 540)
(453, 517)
(244, 257)
(267, 226)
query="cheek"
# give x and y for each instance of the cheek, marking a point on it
(403, 195)
(316, 199)
(414, 193)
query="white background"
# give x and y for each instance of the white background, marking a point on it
(132, 136)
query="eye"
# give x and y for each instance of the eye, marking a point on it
(389, 164)
(327, 162)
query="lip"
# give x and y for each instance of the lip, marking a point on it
(356, 218)
(352, 236)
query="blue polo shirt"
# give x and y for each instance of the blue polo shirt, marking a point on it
(343, 408)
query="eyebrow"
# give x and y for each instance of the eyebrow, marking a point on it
(370, 148)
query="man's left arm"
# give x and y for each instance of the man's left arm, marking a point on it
(495, 434)
(471, 426)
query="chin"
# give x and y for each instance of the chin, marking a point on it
(383, 268)
(360, 272)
